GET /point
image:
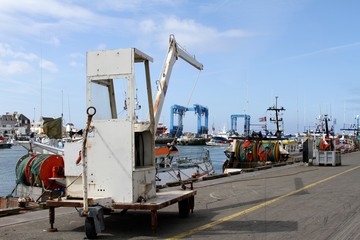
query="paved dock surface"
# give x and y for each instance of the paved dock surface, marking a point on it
(288, 202)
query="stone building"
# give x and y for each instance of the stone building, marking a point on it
(14, 123)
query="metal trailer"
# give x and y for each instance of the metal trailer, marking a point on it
(94, 222)
(114, 166)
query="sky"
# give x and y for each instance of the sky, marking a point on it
(303, 53)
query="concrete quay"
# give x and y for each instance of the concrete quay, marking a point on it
(293, 201)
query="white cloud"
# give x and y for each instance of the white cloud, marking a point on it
(14, 67)
(136, 5)
(55, 41)
(325, 50)
(73, 64)
(14, 62)
(6, 51)
(34, 18)
(48, 65)
(77, 55)
(50, 8)
(76, 64)
(192, 34)
(77, 59)
(147, 26)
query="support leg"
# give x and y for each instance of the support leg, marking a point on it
(154, 221)
(192, 203)
(52, 220)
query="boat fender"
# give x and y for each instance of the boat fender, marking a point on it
(78, 160)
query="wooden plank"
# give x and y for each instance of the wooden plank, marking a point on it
(64, 203)
(9, 211)
(163, 199)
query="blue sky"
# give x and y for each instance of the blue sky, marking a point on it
(306, 52)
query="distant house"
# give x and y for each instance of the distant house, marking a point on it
(23, 124)
(7, 123)
(14, 123)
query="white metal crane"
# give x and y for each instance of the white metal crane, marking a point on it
(174, 52)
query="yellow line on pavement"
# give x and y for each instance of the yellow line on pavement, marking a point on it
(227, 218)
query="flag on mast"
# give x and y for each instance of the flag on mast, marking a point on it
(262, 119)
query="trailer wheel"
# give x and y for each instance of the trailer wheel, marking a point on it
(107, 211)
(90, 230)
(184, 208)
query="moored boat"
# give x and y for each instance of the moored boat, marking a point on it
(191, 140)
(4, 143)
(161, 129)
(173, 166)
(218, 141)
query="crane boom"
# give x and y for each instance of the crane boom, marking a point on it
(174, 52)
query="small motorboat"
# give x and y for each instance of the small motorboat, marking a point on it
(218, 141)
(4, 143)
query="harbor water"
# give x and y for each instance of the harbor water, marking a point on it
(9, 158)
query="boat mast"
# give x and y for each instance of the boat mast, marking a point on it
(277, 119)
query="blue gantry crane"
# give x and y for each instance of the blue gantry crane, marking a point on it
(246, 117)
(201, 111)
(177, 130)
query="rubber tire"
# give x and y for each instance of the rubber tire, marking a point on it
(90, 230)
(184, 208)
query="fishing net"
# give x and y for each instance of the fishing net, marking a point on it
(269, 151)
(246, 151)
(35, 168)
(21, 168)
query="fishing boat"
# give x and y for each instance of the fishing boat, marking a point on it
(161, 129)
(173, 166)
(4, 143)
(258, 150)
(218, 141)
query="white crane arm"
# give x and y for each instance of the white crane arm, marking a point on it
(189, 59)
(174, 52)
